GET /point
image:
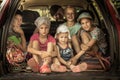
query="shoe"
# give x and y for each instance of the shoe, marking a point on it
(45, 69)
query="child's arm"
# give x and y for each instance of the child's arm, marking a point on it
(54, 52)
(75, 43)
(76, 57)
(32, 50)
(19, 30)
(51, 50)
(85, 47)
(69, 44)
(43, 54)
(23, 43)
(60, 58)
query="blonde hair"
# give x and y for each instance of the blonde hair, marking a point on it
(70, 7)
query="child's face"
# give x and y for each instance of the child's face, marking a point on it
(86, 24)
(70, 14)
(43, 30)
(17, 21)
(59, 15)
(63, 38)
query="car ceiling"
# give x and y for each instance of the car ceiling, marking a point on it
(36, 3)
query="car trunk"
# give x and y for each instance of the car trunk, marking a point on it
(108, 26)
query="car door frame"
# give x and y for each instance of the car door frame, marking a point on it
(7, 13)
(113, 27)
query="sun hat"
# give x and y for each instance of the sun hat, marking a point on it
(84, 15)
(42, 20)
(62, 29)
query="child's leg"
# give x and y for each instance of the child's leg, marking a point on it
(57, 67)
(50, 49)
(85, 39)
(35, 45)
(34, 63)
(45, 68)
(75, 43)
(85, 66)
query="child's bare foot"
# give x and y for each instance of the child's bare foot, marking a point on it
(79, 68)
(74, 68)
(33, 65)
(58, 68)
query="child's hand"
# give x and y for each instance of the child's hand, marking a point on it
(68, 64)
(18, 29)
(10, 44)
(43, 54)
(73, 60)
(84, 47)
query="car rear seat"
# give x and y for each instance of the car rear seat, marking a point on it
(28, 25)
(54, 25)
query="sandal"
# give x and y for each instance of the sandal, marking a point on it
(45, 69)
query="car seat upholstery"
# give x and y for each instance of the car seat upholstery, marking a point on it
(54, 25)
(28, 25)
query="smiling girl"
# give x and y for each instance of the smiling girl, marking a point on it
(92, 41)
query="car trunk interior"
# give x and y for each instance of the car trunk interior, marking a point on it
(29, 15)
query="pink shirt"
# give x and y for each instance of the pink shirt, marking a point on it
(42, 46)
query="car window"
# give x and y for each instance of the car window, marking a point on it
(45, 10)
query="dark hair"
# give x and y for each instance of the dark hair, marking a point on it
(18, 12)
(54, 9)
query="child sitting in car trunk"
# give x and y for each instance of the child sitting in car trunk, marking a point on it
(42, 46)
(92, 41)
(16, 41)
(65, 52)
